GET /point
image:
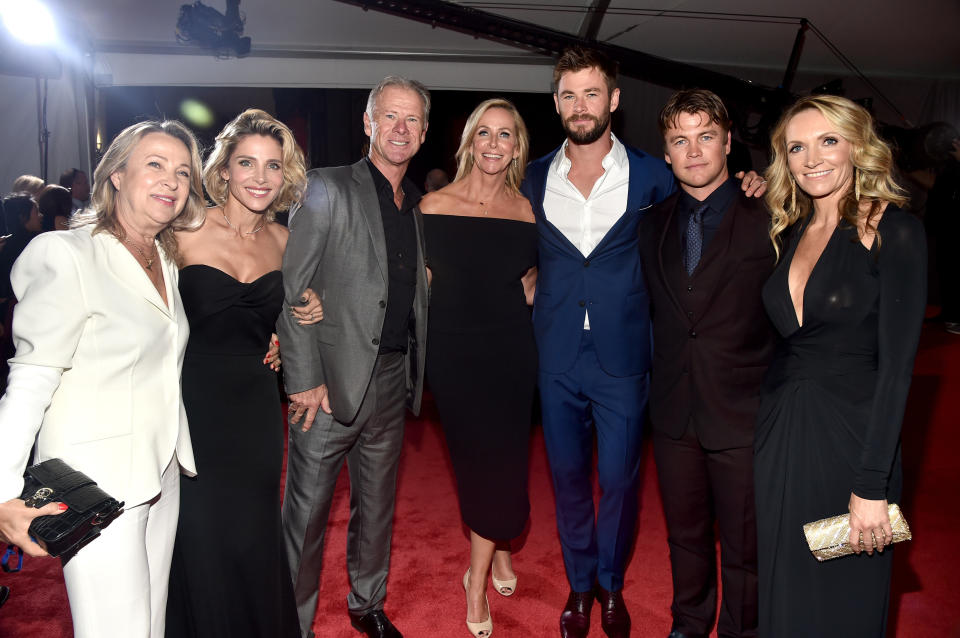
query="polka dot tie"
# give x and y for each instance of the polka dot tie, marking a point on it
(694, 239)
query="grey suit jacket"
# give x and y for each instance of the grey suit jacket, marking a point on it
(337, 248)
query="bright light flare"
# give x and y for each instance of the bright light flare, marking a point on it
(29, 21)
(196, 113)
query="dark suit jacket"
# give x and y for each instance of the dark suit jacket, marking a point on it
(712, 340)
(337, 248)
(608, 281)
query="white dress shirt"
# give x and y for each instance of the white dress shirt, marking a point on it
(586, 220)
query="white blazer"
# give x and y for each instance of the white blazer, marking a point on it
(96, 376)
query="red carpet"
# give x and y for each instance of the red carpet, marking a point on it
(430, 545)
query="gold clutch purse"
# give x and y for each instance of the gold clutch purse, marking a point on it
(827, 538)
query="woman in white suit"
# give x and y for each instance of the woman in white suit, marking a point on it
(100, 334)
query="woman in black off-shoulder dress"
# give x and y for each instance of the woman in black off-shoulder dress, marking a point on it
(481, 359)
(230, 576)
(848, 298)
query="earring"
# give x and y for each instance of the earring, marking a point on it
(856, 184)
(793, 195)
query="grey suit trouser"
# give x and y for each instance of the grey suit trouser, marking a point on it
(371, 446)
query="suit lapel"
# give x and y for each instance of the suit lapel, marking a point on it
(718, 259)
(544, 225)
(670, 266)
(557, 235)
(128, 272)
(720, 243)
(370, 211)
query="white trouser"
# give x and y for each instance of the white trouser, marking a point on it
(117, 585)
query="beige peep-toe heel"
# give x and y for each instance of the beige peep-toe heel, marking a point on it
(483, 629)
(504, 587)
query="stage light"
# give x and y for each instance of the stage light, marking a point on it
(196, 113)
(29, 21)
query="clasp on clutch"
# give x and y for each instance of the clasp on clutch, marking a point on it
(39, 498)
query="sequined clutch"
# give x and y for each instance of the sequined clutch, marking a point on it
(828, 537)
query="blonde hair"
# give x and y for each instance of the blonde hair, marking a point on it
(871, 157)
(102, 212)
(256, 122)
(27, 184)
(465, 158)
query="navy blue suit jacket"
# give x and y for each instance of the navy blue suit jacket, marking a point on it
(609, 281)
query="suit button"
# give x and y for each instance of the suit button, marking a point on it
(586, 263)
(376, 341)
(693, 334)
(581, 303)
(690, 314)
(689, 288)
(382, 304)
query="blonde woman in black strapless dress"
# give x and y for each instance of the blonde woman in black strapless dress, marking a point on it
(481, 358)
(235, 582)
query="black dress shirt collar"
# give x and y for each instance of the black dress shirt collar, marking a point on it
(718, 201)
(411, 194)
(400, 239)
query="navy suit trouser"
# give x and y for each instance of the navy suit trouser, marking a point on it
(575, 404)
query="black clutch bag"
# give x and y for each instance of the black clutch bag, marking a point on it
(90, 508)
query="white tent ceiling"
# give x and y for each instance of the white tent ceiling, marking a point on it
(337, 41)
(910, 50)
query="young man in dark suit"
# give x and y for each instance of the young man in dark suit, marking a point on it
(706, 255)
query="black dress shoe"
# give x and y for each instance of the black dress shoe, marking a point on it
(375, 624)
(4, 594)
(614, 617)
(674, 633)
(575, 619)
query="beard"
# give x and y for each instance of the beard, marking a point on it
(580, 135)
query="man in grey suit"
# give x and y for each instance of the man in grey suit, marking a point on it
(357, 241)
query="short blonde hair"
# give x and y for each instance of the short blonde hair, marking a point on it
(256, 122)
(102, 212)
(870, 155)
(465, 160)
(27, 184)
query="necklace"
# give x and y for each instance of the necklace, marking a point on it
(263, 221)
(147, 260)
(483, 208)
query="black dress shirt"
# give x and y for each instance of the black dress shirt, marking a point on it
(400, 235)
(717, 204)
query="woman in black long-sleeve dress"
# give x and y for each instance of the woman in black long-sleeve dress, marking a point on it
(848, 298)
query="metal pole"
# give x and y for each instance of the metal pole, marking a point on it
(795, 55)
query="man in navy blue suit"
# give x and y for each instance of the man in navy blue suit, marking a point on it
(592, 325)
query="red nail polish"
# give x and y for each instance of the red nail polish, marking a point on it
(62, 507)
(276, 342)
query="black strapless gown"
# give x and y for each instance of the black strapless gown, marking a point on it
(829, 424)
(229, 576)
(482, 363)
